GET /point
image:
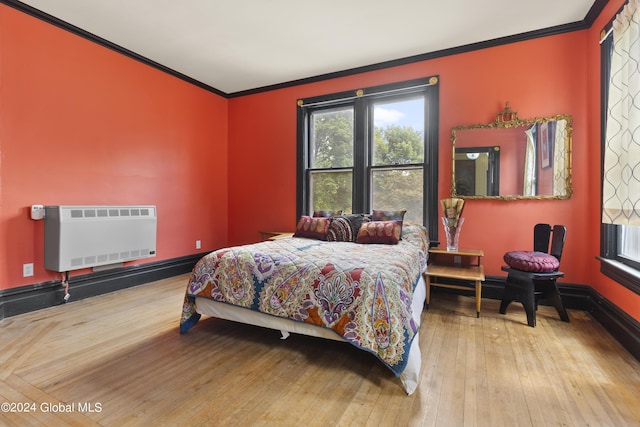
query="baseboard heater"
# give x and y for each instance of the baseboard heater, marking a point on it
(77, 237)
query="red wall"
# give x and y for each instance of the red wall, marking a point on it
(81, 124)
(87, 125)
(541, 77)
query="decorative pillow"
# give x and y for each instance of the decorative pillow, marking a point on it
(312, 228)
(383, 232)
(356, 220)
(340, 230)
(326, 214)
(345, 228)
(538, 262)
(381, 215)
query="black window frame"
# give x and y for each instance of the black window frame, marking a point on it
(623, 270)
(362, 99)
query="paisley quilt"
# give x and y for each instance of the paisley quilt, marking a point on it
(361, 291)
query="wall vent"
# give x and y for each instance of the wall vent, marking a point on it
(78, 237)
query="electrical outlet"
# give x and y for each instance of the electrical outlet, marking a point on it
(457, 259)
(27, 270)
(198, 244)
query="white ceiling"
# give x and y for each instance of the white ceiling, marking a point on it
(239, 45)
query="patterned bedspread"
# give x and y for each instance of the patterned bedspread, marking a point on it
(362, 292)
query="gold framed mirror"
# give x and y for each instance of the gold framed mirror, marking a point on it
(513, 158)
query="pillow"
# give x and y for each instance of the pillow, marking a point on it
(345, 228)
(312, 228)
(326, 214)
(381, 215)
(356, 221)
(382, 232)
(340, 230)
(538, 262)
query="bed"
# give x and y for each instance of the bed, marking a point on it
(369, 295)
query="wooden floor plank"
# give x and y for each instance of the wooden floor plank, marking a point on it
(535, 381)
(434, 376)
(123, 351)
(449, 409)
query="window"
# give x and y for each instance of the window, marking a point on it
(629, 245)
(374, 148)
(619, 242)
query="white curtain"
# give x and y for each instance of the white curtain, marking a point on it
(530, 165)
(621, 183)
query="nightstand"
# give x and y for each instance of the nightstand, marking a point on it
(461, 265)
(274, 235)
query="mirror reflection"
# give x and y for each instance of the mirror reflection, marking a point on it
(513, 158)
(478, 171)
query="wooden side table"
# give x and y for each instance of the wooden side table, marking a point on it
(462, 268)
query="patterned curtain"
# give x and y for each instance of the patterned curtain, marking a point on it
(621, 183)
(559, 159)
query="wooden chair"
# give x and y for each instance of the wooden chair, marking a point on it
(527, 287)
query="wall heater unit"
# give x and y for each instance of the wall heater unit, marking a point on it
(78, 237)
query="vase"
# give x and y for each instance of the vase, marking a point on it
(452, 232)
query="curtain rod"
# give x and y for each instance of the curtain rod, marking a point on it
(605, 34)
(606, 31)
(360, 94)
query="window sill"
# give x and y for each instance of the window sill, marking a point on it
(621, 273)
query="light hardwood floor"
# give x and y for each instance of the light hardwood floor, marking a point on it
(122, 356)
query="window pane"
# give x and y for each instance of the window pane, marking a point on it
(629, 242)
(331, 191)
(398, 136)
(331, 144)
(396, 189)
